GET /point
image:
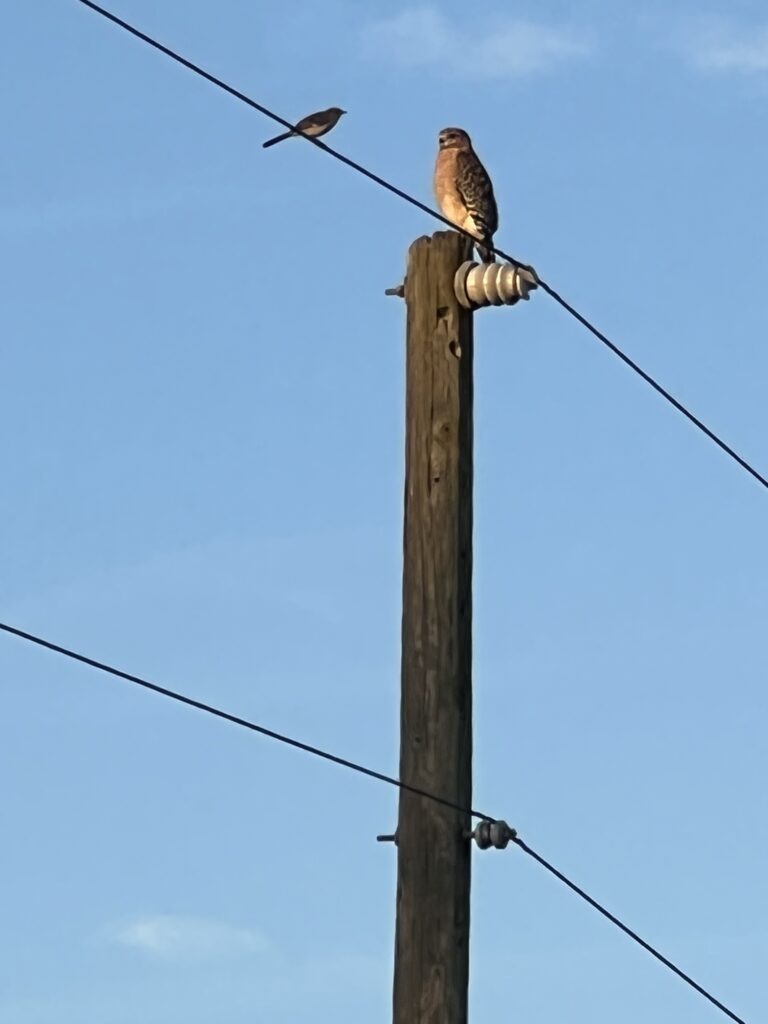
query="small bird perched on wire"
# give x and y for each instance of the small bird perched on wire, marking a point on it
(313, 125)
(464, 191)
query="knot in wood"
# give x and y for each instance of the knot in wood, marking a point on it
(438, 457)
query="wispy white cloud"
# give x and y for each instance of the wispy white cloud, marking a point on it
(507, 47)
(280, 987)
(721, 45)
(178, 938)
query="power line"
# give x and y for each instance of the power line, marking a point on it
(370, 773)
(612, 346)
(654, 383)
(236, 720)
(627, 931)
(287, 124)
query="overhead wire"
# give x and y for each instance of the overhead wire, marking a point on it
(390, 780)
(627, 930)
(210, 709)
(552, 292)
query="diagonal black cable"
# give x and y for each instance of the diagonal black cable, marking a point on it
(437, 216)
(286, 124)
(654, 383)
(361, 769)
(236, 720)
(627, 931)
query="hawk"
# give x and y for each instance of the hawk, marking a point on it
(313, 125)
(464, 191)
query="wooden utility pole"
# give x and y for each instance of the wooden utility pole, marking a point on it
(433, 864)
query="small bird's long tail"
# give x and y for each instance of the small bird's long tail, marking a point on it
(278, 138)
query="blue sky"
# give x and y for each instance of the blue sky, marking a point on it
(202, 406)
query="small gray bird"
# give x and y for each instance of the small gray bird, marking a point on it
(313, 125)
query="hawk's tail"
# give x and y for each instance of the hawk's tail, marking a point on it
(486, 255)
(277, 138)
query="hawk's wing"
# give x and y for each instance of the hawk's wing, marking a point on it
(475, 187)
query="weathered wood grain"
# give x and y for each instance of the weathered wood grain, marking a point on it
(432, 934)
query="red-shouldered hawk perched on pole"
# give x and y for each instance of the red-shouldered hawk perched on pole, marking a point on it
(464, 190)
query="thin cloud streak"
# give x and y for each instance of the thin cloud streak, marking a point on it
(509, 48)
(721, 46)
(178, 938)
